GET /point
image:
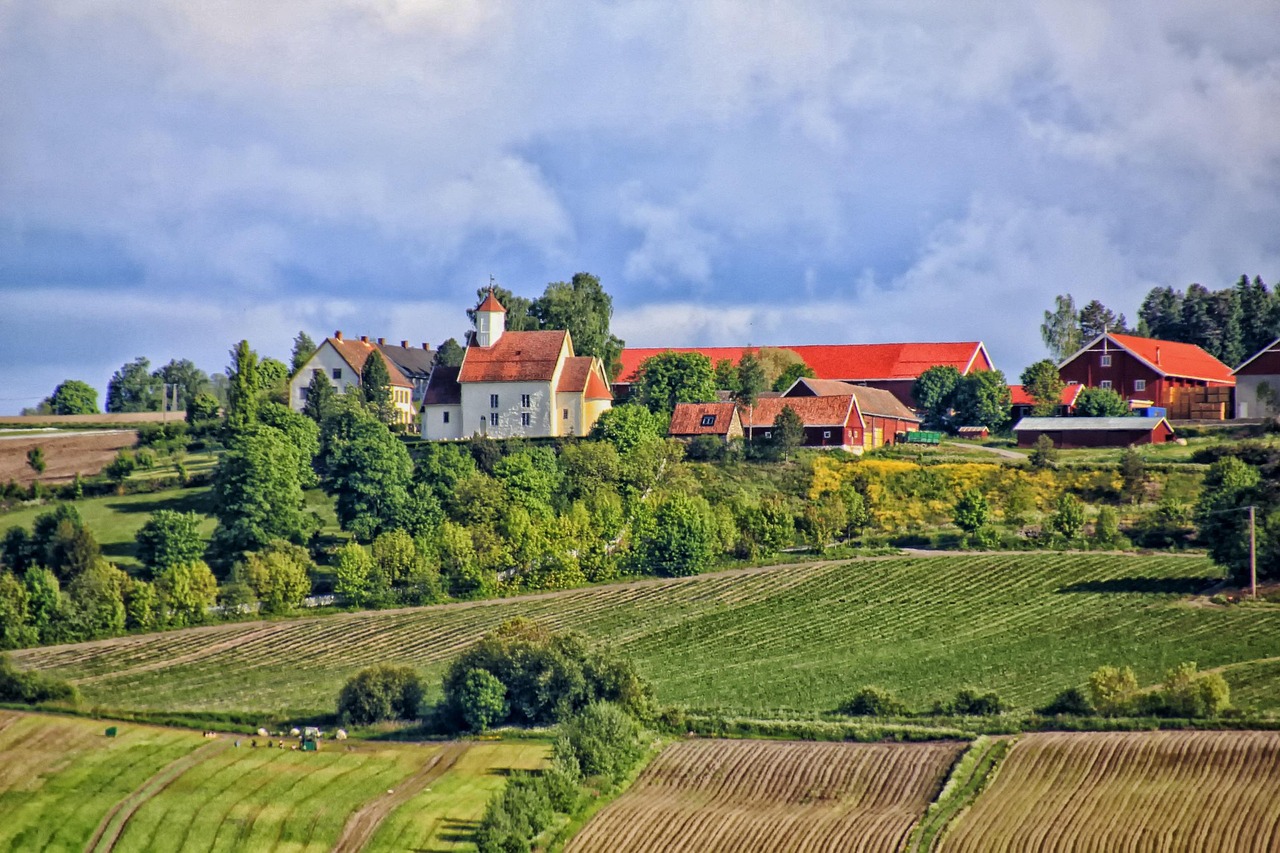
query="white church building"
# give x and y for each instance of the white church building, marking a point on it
(514, 385)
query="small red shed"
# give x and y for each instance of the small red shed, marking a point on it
(1094, 432)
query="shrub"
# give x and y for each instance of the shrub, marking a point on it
(380, 692)
(601, 740)
(1044, 454)
(873, 702)
(970, 703)
(279, 575)
(32, 687)
(1070, 701)
(482, 700)
(1112, 689)
(515, 817)
(1188, 693)
(170, 539)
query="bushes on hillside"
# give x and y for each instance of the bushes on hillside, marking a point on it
(32, 687)
(380, 692)
(970, 703)
(873, 702)
(601, 740)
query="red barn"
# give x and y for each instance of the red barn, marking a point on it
(1094, 432)
(1181, 378)
(835, 414)
(890, 367)
(1023, 403)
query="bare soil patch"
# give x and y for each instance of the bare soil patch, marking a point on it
(65, 454)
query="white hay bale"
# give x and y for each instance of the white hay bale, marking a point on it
(294, 732)
(341, 734)
(263, 733)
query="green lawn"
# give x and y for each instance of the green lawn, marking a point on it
(753, 641)
(59, 775)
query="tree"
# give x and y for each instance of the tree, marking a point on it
(749, 381)
(449, 354)
(380, 692)
(189, 379)
(628, 427)
(680, 542)
(675, 377)
(1061, 330)
(35, 459)
(776, 361)
(202, 408)
(1100, 403)
(133, 388)
(482, 700)
(584, 308)
(726, 376)
(355, 578)
(303, 349)
(934, 392)
(375, 388)
(74, 397)
(257, 492)
(96, 601)
(279, 575)
(787, 433)
(602, 740)
(369, 471)
(1222, 522)
(302, 432)
(170, 539)
(1258, 307)
(16, 630)
(1161, 314)
(1106, 528)
(788, 377)
(1133, 476)
(1112, 690)
(320, 397)
(971, 511)
(44, 595)
(1068, 516)
(185, 593)
(1097, 319)
(983, 399)
(273, 381)
(1042, 382)
(242, 391)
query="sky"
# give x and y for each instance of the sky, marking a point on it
(176, 176)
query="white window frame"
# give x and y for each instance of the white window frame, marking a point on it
(826, 433)
(493, 419)
(493, 401)
(1106, 360)
(524, 401)
(1105, 384)
(708, 420)
(1139, 385)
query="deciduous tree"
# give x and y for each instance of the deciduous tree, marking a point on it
(1100, 403)
(170, 539)
(675, 377)
(133, 388)
(74, 397)
(582, 306)
(982, 399)
(1060, 330)
(375, 388)
(1042, 382)
(257, 492)
(449, 354)
(934, 392)
(303, 348)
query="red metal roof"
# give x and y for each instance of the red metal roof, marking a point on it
(491, 303)
(814, 411)
(1022, 398)
(356, 353)
(1171, 358)
(515, 357)
(687, 419)
(855, 362)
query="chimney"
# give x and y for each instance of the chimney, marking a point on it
(382, 342)
(338, 335)
(1157, 355)
(424, 345)
(404, 345)
(364, 339)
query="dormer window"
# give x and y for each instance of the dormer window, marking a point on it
(708, 420)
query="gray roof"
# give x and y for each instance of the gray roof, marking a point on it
(1085, 424)
(414, 362)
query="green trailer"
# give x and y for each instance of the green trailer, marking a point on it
(923, 437)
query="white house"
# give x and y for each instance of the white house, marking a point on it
(342, 359)
(514, 384)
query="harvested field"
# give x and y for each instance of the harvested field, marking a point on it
(772, 796)
(783, 637)
(1126, 791)
(65, 453)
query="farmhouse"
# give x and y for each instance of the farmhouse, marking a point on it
(690, 420)
(1181, 378)
(1094, 432)
(1023, 403)
(342, 360)
(889, 367)
(835, 414)
(514, 384)
(1258, 383)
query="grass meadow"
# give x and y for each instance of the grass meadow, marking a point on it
(798, 638)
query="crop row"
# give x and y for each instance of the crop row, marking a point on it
(761, 796)
(1129, 792)
(793, 636)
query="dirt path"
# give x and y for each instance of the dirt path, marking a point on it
(113, 823)
(998, 451)
(364, 822)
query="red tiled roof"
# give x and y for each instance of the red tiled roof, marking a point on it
(814, 411)
(858, 362)
(1173, 358)
(356, 353)
(597, 388)
(573, 376)
(515, 357)
(871, 401)
(491, 303)
(1022, 398)
(687, 419)
(443, 388)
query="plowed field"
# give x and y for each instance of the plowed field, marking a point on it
(1118, 791)
(65, 454)
(772, 796)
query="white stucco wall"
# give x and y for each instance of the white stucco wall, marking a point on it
(477, 409)
(326, 358)
(434, 427)
(1247, 403)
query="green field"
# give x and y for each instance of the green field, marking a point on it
(62, 778)
(799, 637)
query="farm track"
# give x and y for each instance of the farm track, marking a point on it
(1200, 791)
(361, 826)
(772, 796)
(114, 821)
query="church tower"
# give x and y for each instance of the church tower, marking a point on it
(491, 321)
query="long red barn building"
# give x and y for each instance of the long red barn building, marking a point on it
(890, 367)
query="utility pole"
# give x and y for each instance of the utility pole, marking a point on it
(1253, 554)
